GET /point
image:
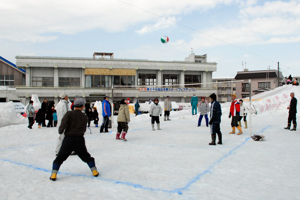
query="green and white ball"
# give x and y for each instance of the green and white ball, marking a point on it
(164, 39)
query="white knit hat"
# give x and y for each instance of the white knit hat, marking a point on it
(63, 95)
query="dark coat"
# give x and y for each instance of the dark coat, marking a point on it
(44, 107)
(73, 123)
(293, 106)
(136, 106)
(49, 114)
(95, 114)
(215, 112)
(40, 116)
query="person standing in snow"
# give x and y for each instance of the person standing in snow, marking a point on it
(203, 108)
(155, 112)
(136, 108)
(123, 119)
(61, 109)
(168, 108)
(50, 116)
(40, 117)
(194, 104)
(235, 114)
(44, 108)
(243, 114)
(73, 126)
(106, 113)
(89, 114)
(292, 113)
(215, 119)
(95, 116)
(55, 118)
(30, 114)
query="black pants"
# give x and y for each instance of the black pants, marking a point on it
(167, 113)
(89, 121)
(44, 120)
(69, 144)
(155, 119)
(96, 121)
(104, 124)
(234, 121)
(215, 128)
(55, 123)
(50, 123)
(30, 122)
(245, 118)
(122, 126)
(292, 117)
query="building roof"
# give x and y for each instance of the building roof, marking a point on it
(254, 75)
(12, 64)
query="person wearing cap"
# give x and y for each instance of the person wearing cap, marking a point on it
(106, 113)
(123, 120)
(235, 114)
(215, 119)
(155, 112)
(30, 112)
(168, 108)
(73, 126)
(61, 109)
(194, 104)
(203, 108)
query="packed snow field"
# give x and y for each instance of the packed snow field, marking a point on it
(174, 163)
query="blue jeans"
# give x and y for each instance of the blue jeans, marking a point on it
(200, 120)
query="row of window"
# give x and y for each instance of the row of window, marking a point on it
(7, 80)
(261, 85)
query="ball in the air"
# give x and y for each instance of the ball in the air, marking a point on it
(164, 39)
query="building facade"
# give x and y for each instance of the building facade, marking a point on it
(94, 78)
(10, 76)
(261, 80)
(225, 87)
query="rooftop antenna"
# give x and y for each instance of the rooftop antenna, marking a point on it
(242, 65)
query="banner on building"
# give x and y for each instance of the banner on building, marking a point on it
(167, 89)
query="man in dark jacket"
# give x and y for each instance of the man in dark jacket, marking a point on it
(292, 113)
(215, 119)
(73, 125)
(44, 108)
(136, 108)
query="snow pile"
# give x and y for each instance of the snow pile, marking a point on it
(9, 116)
(36, 101)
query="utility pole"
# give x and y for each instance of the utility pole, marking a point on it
(278, 72)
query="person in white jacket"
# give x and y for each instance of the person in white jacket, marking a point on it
(155, 112)
(243, 114)
(168, 108)
(30, 114)
(61, 109)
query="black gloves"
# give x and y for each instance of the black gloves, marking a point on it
(210, 122)
(150, 115)
(160, 115)
(229, 115)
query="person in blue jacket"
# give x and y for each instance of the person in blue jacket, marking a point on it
(106, 113)
(215, 119)
(194, 103)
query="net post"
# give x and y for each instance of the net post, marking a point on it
(250, 117)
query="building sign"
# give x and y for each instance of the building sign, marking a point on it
(167, 89)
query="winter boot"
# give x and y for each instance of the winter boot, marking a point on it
(213, 139)
(233, 131)
(240, 123)
(153, 129)
(158, 127)
(288, 127)
(118, 136)
(40, 126)
(294, 128)
(246, 125)
(168, 118)
(240, 130)
(165, 118)
(123, 136)
(94, 171)
(53, 175)
(220, 138)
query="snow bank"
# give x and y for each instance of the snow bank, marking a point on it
(9, 116)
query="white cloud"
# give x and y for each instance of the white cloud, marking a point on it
(31, 20)
(162, 23)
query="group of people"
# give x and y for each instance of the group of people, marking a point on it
(290, 81)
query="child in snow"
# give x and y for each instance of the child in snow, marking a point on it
(243, 114)
(40, 117)
(203, 108)
(155, 112)
(123, 119)
(55, 118)
(95, 116)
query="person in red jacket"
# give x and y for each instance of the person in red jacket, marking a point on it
(235, 114)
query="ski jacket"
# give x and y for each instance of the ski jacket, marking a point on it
(215, 112)
(194, 101)
(136, 106)
(95, 114)
(55, 116)
(243, 110)
(72, 106)
(123, 115)
(30, 110)
(203, 108)
(73, 123)
(155, 110)
(61, 109)
(168, 105)
(106, 109)
(235, 108)
(293, 106)
(40, 116)
(44, 107)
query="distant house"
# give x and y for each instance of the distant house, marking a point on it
(225, 87)
(10, 76)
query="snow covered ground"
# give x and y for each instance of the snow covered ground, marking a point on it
(174, 163)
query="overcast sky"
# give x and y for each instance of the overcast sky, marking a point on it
(258, 33)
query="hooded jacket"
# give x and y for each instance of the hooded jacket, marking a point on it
(203, 108)
(155, 110)
(123, 115)
(30, 110)
(61, 109)
(215, 112)
(106, 109)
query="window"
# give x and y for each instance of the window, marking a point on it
(147, 79)
(7, 80)
(170, 79)
(69, 82)
(245, 87)
(245, 95)
(192, 79)
(42, 81)
(97, 81)
(264, 85)
(124, 80)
